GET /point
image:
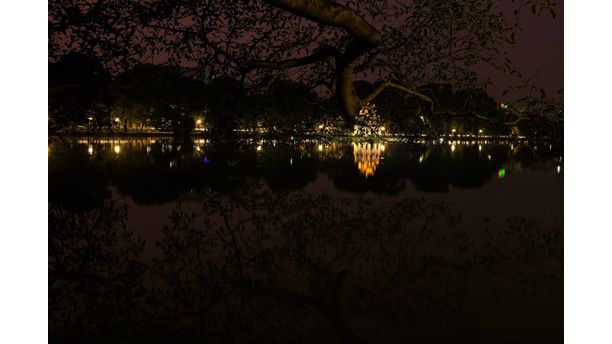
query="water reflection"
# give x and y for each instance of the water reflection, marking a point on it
(367, 157)
(251, 250)
(254, 266)
(158, 170)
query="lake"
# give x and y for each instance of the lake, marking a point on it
(431, 239)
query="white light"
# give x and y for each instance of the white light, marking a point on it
(382, 148)
(90, 150)
(558, 169)
(489, 156)
(480, 148)
(259, 148)
(117, 119)
(117, 149)
(452, 148)
(320, 148)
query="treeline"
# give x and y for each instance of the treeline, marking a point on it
(82, 94)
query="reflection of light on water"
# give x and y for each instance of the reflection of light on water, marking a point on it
(117, 149)
(480, 148)
(259, 148)
(489, 156)
(367, 156)
(90, 150)
(558, 169)
(453, 148)
(421, 158)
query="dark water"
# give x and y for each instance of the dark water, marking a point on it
(445, 240)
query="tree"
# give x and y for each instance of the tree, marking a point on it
(160, 95)
(321, 43)
(79, 90)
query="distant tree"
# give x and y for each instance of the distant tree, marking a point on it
(79, 89)
(161, 95)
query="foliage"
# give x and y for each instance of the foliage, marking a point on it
(79, 88)
(255, 265)
(403, 45)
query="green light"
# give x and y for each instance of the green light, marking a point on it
(501, 173)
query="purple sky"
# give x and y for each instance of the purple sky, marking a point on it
(539, 48)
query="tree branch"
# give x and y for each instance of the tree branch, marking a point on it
(319, 55)
(385, 84)
(330, 13)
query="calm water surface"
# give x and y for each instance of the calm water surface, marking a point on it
(487, 177)
(484, 265)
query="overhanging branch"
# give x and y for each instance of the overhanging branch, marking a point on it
(318, 56)
(331, 13)
(386, 84)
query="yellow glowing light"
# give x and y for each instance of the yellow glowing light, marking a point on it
(367, 156)
(198, 122)
(453, 148)
(117, 149)
(453, 131)
(198, 148)
(489, 156)
(259, 148)
(321, 126)
(382, 148)
(421, 159)
(90, 150)
(480, 131)
(320, 148)
(382, 128)
(117, 119)
(90, 118)
(480, 148)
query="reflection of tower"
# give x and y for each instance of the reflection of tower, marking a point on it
(367, 157)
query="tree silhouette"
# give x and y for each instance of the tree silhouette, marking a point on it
(253, 266)
(401, 45)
